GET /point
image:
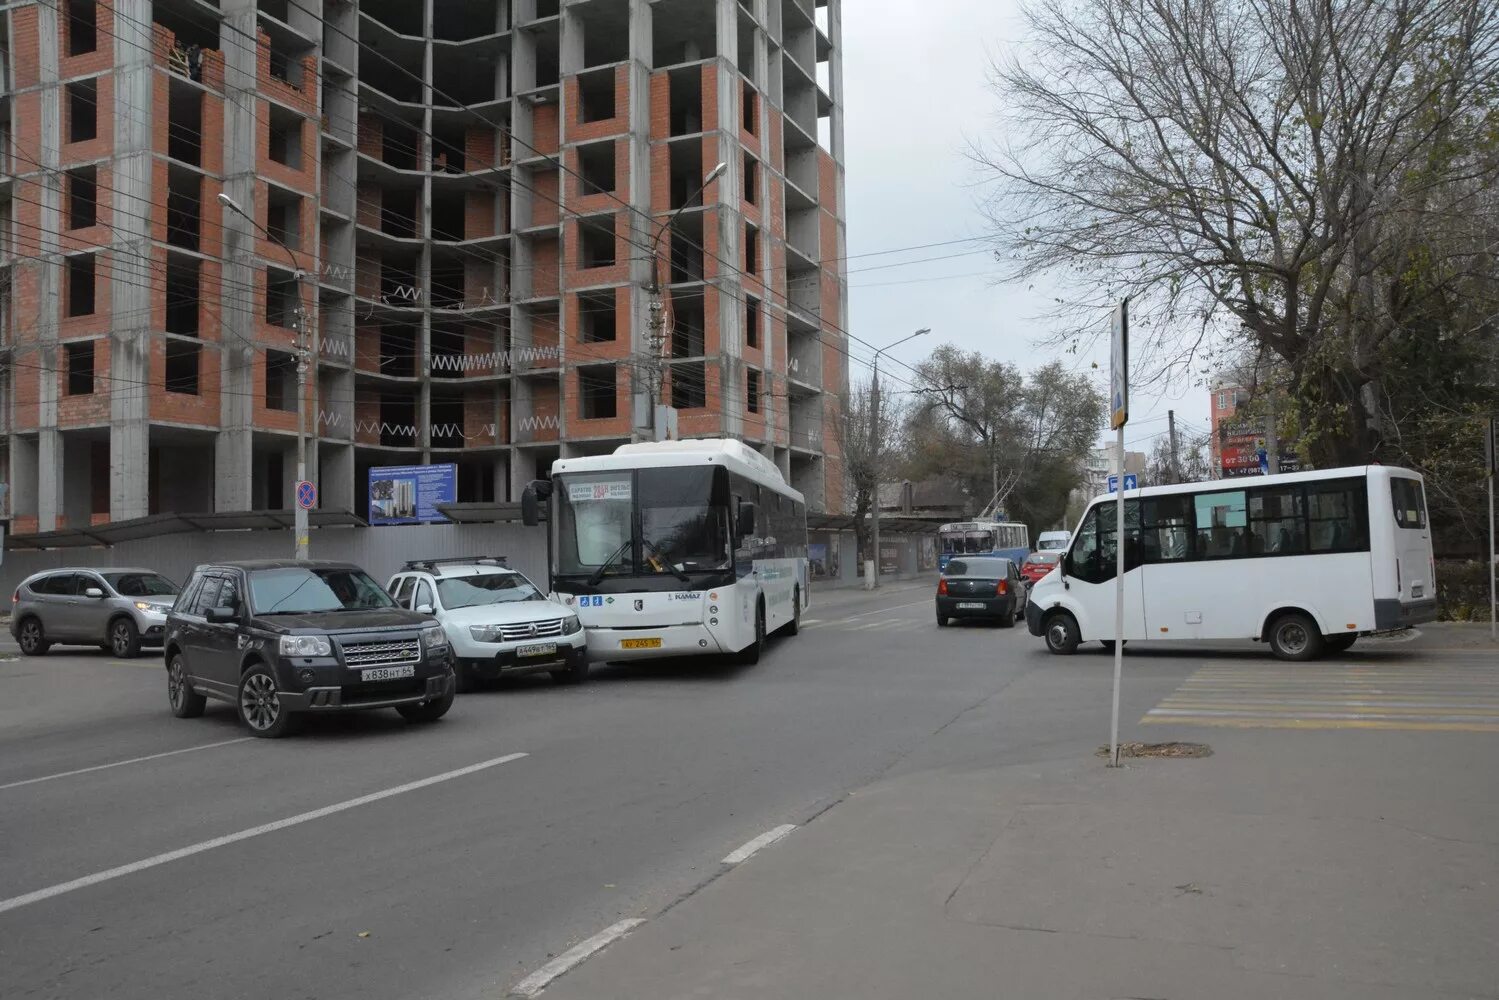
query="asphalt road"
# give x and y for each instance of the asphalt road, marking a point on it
(632, 788)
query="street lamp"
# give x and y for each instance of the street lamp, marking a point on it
(299, 512)
(657, 319)
(874, 430)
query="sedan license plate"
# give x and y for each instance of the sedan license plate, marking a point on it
(640, 644)
(537, 649)
(387, 673)
(971, 606)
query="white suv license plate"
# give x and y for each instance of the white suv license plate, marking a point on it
(971, 606)
(537, 649)
(387, 673)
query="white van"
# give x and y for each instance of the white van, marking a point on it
(1052, 541)
(1307, 562)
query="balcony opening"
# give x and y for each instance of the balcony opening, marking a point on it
(448, 144)
(596, 164)
(685, 87)
(184, 293)
(398, 285)
(597, 385)
(476, 481)
(448, 280)
(686, 244)
(546, 8)
(184, 208)
(282, 299)
(398, 346)
(279, 9)
(448, 210)
(746, 63)
(596, 96)
(80, 367)
(83, 197)
(398, 421)
(751, 179)
(401, 16)
(463, 82)
(689, 385)
(280, 380)
(398, 207)
(598, 317)
(597, 235)
(687, 340)
(183, 358)
(751, 250)
(751, 322)
(447, 421)
(286, 137)
(751, 104)
(83, 27)
(83, 110)
(547, 69)
(283, 217)
(448, 347)
(680, 32)
(185, 122)
(80, 281)
(456, 22)
(752, 390)
(398, 145)
(286, 62)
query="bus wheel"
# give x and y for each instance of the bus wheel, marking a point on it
(795, 625)
(1061, 634)
(750, 654)
(1294, 636)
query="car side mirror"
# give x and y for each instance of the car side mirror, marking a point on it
(93, 592)
(746, 519)
(220, 616)
(424, 609)
(533, 501)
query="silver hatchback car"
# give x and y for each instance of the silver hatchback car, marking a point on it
(118, 610)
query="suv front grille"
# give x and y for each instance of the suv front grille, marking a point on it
(382, 654)
(532, 630)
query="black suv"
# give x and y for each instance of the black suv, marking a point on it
(277, 637)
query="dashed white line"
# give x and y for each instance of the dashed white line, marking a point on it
(122, 763)
(764, 840)
(16, 902)
(538, 980)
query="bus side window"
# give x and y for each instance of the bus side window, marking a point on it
(1167, 534)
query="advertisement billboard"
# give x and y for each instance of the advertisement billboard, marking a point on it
(409, 494)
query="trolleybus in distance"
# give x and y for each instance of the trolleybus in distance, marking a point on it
(1307, 562)
(676, 548)
(983, 538)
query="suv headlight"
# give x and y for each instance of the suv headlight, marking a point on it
(485, 633)
(150, 609)
(571, 625)
(306, 645)
(434, 637)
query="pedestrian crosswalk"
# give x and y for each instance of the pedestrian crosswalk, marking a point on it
(1410, 696)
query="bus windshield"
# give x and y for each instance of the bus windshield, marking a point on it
(642, 522)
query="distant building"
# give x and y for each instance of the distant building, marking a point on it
(1237, 439)
(1101, 463)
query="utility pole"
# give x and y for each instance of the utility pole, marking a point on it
(1272, 442)
(1176, 469)
(874, 450)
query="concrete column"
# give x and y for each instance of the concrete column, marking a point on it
(77, 487)
(23, 476)
(234, 446)
(49, 479)
(336, 487)
(46, 469)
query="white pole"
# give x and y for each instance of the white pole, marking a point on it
(1118, 608)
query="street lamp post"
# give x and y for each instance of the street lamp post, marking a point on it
(303, 363)
(874, 430)
(657, 319)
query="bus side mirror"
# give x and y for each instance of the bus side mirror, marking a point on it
(532, 501)
(746, 519)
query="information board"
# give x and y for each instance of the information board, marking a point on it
(409, 494)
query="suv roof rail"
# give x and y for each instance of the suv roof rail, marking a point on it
(434, 566)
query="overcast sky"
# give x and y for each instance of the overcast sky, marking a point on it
(915, 90)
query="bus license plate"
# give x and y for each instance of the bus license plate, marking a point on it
(640, 644)
(387, 673)
(537, 649)
(971, 606)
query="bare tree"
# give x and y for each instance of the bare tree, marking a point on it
(1314, 180)
(870, 449)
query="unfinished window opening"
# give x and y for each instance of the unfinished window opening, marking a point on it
(463, 82)
(751, 106)
(184, 209)
(752, 390)
(448, 208)
(597, 387)
(598, 317)
(185, 122)
(680, 33)
(83, 27)
(83, 197)
(448, 346)
(458, 22)
(751, 179)
(447, 144)
(398, 285)
(184, 292)
(687, 324)
(746, 63)
(751, 250)
(283, 218)
(400, 16)
(80, 367)
(687, 250)
(398, 144)
(686, 97)
(280, 380)
(83, 110)
(286, 63)
(546, 8)
(448, 280)
(689, 385)
(398, 421)
(547, 69)
(596, 164)
(597, 235)
(751, 322)
(476, 481)
(398, 344)
(282, 300)
(286, 137)
(596, 94)
(398, 208)
(447, 421)
(182, 366)
(80, 282)
(279, 9)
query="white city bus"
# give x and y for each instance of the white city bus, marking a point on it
(677, 548)
(1306, 561)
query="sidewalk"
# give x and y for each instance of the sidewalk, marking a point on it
(1289, 864)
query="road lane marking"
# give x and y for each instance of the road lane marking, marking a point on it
(538, 980)
(16, 902)
(765, 839)
(122, 763)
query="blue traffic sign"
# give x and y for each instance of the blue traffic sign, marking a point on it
(306, 495)
(1131, 482)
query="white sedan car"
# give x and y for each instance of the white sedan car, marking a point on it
(496, 620)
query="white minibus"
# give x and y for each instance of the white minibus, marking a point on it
(1307, 561)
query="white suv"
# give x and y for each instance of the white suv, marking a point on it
(496, 620)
